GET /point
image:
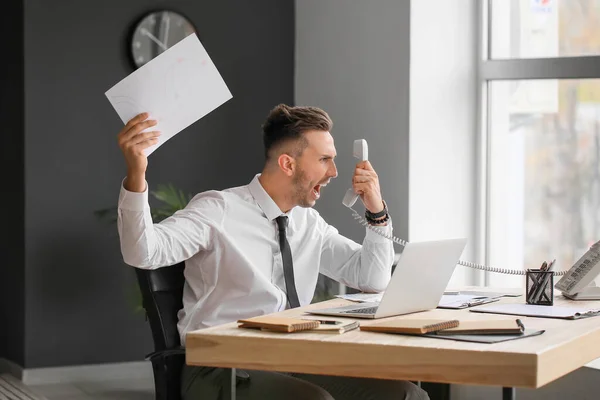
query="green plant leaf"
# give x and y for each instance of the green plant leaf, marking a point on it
(172, 200)
(108, 214)
(134, 298)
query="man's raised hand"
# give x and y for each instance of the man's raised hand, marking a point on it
(133, 142)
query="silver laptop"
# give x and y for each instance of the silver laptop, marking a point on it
(418, 282)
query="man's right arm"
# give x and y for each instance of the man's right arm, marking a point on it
(177, 238)
(144, 244)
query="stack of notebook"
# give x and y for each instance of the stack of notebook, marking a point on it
(289, 325)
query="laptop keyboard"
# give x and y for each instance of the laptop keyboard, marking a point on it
(368, 310)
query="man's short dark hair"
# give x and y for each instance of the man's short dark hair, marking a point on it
(286, 123)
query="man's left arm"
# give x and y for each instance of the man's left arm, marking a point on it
(366, 267)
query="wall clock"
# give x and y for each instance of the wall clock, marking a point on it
(156, 32)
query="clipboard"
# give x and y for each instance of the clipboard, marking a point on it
(464, 301)
(531, 310)
(487, 338)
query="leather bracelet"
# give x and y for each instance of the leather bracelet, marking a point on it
(377, 221)
(379, 214)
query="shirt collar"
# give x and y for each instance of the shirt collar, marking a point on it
(264, 201)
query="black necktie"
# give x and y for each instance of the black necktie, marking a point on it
(288, 266)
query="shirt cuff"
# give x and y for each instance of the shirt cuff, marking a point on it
(133, 201)
(377, 238)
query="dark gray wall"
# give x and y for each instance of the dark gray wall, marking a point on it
(77, 287)
(353, 60)
(12, 242)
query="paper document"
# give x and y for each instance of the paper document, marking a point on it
(491, 294)
(459, 301)
(176, 88)
(362, 297)
(447, 301)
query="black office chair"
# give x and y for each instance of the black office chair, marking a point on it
(162, 293)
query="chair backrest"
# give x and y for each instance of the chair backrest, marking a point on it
(162, 296)
(162, 293)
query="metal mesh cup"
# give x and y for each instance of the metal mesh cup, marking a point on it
(539, 287)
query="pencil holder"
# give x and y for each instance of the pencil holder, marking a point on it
(539, 288)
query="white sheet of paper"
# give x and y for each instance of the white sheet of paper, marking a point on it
(177, 88)
(457, 299)
(361, 297)
(376, 297)
(533, 310)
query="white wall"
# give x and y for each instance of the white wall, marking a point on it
(442, 125)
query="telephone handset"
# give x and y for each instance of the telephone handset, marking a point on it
(574, 285)
(361, 152)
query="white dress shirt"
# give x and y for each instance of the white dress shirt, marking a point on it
(230, 242)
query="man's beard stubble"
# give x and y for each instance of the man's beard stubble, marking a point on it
(300, 193)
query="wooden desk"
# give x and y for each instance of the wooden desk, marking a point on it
(529, 363)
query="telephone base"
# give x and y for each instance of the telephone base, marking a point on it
(588, 293)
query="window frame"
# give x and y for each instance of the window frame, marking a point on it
(489, 70)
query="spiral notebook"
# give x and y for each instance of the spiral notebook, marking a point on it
(411, 326)
(278, 324)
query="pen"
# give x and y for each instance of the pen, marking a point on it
(481, 301)
(536, 285)
(533, 287)
(521, 325)
(325, 321)
(537, 296)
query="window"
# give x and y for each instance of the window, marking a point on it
(544, 28)
(541, 131)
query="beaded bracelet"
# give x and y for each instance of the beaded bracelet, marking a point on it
(377, 221)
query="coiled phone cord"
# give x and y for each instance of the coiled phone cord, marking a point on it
(469, 264)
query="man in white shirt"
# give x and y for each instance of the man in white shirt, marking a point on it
(258, 249)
